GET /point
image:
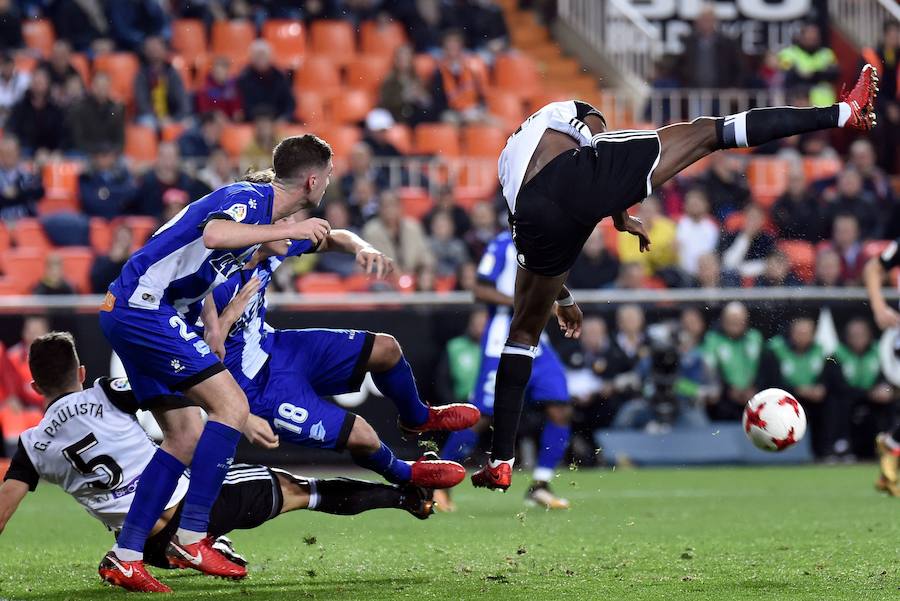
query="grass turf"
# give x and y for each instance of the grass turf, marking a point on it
(724, 534)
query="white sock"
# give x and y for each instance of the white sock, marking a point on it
(542, 474)
(127, 554)
(844, 113)
(494, 463)
(891, 443)
(189, 537)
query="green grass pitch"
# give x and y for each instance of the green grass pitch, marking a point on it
(817, 533)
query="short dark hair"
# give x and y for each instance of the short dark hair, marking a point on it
(296, 153)
(53, 361)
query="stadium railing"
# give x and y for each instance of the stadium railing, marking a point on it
(863, 19)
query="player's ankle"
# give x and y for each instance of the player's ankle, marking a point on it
(127, 554)
(495, 463)
(189, 537)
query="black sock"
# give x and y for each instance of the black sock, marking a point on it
(512, 378)
(758, 126)
(346, 496)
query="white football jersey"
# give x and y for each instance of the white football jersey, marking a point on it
(563, 117)
(90, 444)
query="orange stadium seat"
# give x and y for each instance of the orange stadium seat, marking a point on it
(334, 39)
(9, 287)
(319, 74)
(81, 64)
(5, 238)
(288, 41)
(518, 74)
(350, 107)
(415, 201)
(817, 168)
(381, 38)
(29, 233)
(507, 107)
(171, 131)
(236, 137)
(358, 282)
(189, 39)
(232, 39)
(367, 72)
(768, 178)
(141, 229)
(140, 143)
(425, 66)
(436, 138)
(48, 205)
(25, 266)
(310, 106)
(483, 141)
(122, 68)
(39, 35)
(320, 283)
(802, 255)
(292, 129)
(467, 196)
(873, 248)
(101, 235)
(401, 137)
(25, 62)
(341, 137)
(60, 179)
(77, 261)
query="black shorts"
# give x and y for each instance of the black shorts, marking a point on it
(559, 207)
(250, 496)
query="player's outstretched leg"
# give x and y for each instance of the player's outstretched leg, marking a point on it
(534, 298)
(394, 378)
(349, 496)
(887, 446)
(551, 451)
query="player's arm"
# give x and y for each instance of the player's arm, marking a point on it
(235, 308)
(11, 494)
(568, 313)
(873, 277)
(212, 330)
(225, 233)
(486, 292)
(367, 256)
(626, 223)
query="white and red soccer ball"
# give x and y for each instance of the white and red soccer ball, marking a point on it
(774, 420)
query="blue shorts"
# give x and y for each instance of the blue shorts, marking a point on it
(303, 367)
(162, 355)
(547, 383)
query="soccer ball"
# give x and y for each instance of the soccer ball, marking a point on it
(774, 420)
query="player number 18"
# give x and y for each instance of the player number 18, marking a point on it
(290, 417)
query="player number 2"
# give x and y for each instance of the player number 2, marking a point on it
(177, 322)
(290, 417)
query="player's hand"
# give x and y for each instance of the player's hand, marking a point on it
(374, 262)
(569, 319)
(314, 229)
(259, 432)
(235, 308)
(635, 227)
(886, 317)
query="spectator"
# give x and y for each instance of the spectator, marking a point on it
(10, 26)
(53, 281)
(378, 122)
(360, 168)
(697, 233)
(630, 337)
(725, 185)
(777, 272)
(483, 230)
(97, 120)
(425, 278)
(886, 58)
(59, 68)
(845, 241)
(219, 170)
(811, 66)
(83, 24)
(36, 120)
(733, 353)
(449, 252)
(711, 59)
(829, 269)
(484, 25)
(595, 267)
(258, 155)
(220, 92)
(337, 214)
(398, 236)
(107, 268)
(198, 142)
(24, 408)
(875, 180)
(457, 373)
(134, 21)
(173, 202)
(631, 276)
(745, 251)
(20, 188)
(403, 93)
(264, 87)
(459, 83)
(363, 200)
(663, 253)
(467, 277)
(13, 84)
(424, 21)
(159, 94)
(709, 272)
(796, 214)
(445, 203)
(852, 199)
(107, 189)
(165, 177)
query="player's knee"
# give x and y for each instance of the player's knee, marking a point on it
(559, 413)
(363, 439)
(386, 353)
(180, 437)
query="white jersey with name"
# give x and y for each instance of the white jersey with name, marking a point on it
(564, 117)
(90, 444)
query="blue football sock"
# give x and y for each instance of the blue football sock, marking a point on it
(385, 463)
(459, 445)
(213, 457)
(399, 385)
(154, 489)
(553, 445)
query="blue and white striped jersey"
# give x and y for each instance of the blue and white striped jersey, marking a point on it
(175, 268)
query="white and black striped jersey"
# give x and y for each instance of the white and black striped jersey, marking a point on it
(90, 444)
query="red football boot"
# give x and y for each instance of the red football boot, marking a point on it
(447, 418)
(202, 556)
(862, 99)
(495, 478)
(430, 472)
(130, 575)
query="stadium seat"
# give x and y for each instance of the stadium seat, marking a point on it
(802, 255)
(545, 97)
(341, 137)
(320, 283)
(415, 202)
(334, 39)
(381, 39)
(310, 106)
(77, 261)
(60, 179)
(25, 62)
(319, 74)
(25, 266)
(734, 222)
(518, 74)
(610, 236)
(101, 235)
(58, 204)
(436, 139)
(171, 131)
(141, 227)
(367, 73)
(358, 282)
(483, 141)
(140, 144)
(236, 137)
(189, 39)
(39, 36)
(350, 107)
(817, 168)
(401, 137)
(81, 64)
(445, 283)
(288, 41)
(9, 287)
(292, 129)
(122, 68)
(768, 178)
(873, 248)
(232, 39)
(507, 107)
(425, 66)
(469, 196)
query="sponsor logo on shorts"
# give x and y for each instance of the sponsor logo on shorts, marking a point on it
(317, 431)
(177, 366)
